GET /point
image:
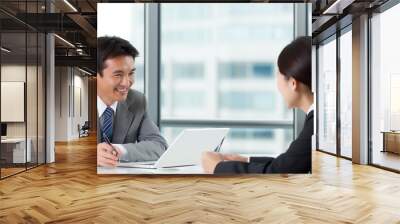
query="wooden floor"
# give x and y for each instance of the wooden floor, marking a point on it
(5, 172)
(387, 159)
(10, 171)
(70, 191)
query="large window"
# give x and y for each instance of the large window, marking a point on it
(327, 96)
(219, 66)
(385, 89)
(346, 93)
(22, 88)
(335, 108)
(125, 20)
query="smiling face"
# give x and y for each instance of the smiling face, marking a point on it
(116, 79)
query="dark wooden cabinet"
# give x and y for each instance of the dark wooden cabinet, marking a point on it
(391, 142)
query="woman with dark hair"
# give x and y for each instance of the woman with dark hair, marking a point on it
(294, 83)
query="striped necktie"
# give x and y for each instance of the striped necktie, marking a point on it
(108, 123)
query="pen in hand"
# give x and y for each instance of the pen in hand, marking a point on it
(218, 149)
(115, 152)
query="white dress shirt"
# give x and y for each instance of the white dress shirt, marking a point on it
(310, 109)
(101, 107)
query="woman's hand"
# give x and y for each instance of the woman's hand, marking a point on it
(235, 157)
(209, 161)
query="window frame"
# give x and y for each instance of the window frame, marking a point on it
(379, 10)
(336, 36)
(41, 37)
(152, 76)
(342, 32)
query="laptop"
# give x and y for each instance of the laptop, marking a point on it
(186, 149)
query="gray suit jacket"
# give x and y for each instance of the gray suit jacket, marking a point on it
(135, 131)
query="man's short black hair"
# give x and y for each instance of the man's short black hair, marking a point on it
(111, 47)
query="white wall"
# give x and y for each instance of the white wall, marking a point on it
(16, 73)
(33, 125)
(79, 117)
(61, 111)
(69, 85)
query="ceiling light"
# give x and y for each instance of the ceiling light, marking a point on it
(70, 5)
(86, 72)
(65, 41)
(337, 7)
(5, 50)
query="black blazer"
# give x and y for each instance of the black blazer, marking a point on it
(297, 159)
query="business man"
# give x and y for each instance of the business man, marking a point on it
(122, 115)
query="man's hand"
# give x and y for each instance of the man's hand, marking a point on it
(210, 160)
(106, 156)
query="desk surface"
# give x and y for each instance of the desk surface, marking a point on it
(390, 132)
(176, 170)
(14, 140)
(125, 170)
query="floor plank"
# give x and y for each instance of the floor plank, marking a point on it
(70, 191)
(387, 159)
